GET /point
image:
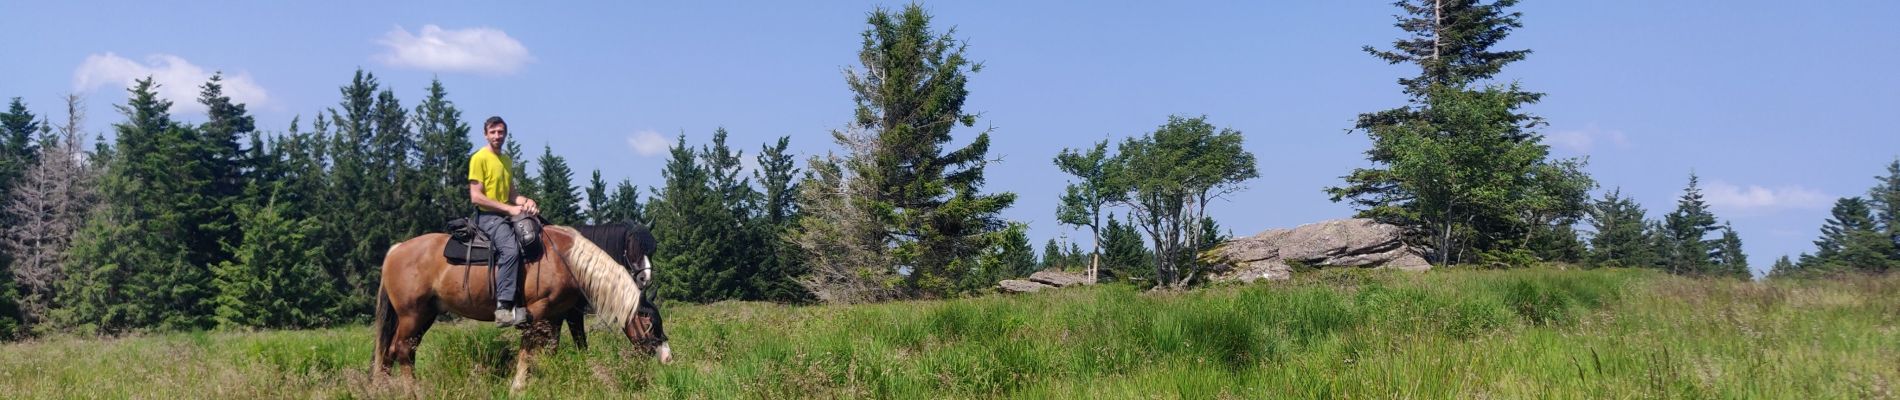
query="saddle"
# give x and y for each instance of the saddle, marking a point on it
(467, 245)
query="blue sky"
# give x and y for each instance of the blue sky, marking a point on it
(1780, 107)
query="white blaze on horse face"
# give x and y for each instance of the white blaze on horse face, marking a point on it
(646, 274)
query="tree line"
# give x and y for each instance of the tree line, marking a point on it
(175, 225)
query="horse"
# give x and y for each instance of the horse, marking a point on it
(419, 283)
(631, 245)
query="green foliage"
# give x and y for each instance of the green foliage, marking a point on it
(1460, 165)
(1009, 256)
(1729, 259)
(442, 158)
(1169, 176)
(1884, 199)
(776, 213)
(1125, 257)
(1619, 240)
(1082, 201)
(274, 279)
(1690, 251)
(1524, 333)
(17, 148)
(1464, 172)
(596, 200)
(1850, 241)
(624, 204)
(910, 95)
(560, 201)
(694, 227)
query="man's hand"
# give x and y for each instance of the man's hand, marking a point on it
(528, 206)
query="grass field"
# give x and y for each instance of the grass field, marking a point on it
(1538, 333)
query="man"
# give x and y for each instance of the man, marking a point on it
(491, 188)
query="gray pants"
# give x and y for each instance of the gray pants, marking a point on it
(507, 256)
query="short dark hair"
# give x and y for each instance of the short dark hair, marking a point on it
(492, 121)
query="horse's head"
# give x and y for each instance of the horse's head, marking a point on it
(637, 250)
(647, 330)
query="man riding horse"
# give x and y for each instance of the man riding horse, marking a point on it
(491, 188)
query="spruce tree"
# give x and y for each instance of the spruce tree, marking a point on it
(1124, 256)
(1729, 259)
(596, 200)
(1884, 198)
(1850, 241)
(1010, 256)
(1051, 256)
(687, 215)
(624, 204)
(910, 94)
(1427, 174)
(1784, 268)
(273, 280)
(1688, 228)
(1619, 239)
(127, 260)
(441, 157)
(560, 200)
(220, 138)
(778, 213)
(17, 148)
(742, 246)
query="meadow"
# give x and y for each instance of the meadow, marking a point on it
(1453, 333)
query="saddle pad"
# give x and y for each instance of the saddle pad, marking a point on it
(460, 253)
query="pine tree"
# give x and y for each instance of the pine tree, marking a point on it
(742, 246)
(1010, 256)
(560, 200)
(220, 139)
(596, 200)
(624, 204)
(1885, 200)
(442, 157)
(1619, 240)
(1729, 259)
(777, 279)
(128, 269)
(274, 279)
(17, 150)
(353, 221)
(1688, 228)
(1051, 256)
(686, 216)
(1124, 256)
(910, 95)
(1460, 164)
(1784, 268)
(1850, 241)
(49, 203)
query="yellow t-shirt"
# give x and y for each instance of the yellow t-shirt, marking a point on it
(492, 171)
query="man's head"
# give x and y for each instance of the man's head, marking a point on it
(496, 131)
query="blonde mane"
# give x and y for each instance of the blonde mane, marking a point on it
(606, 283)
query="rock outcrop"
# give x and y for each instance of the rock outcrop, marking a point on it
(1046, 279)
(1353, 242)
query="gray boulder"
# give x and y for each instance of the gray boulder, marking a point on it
(1021, 286)
(1355, 242)
(1060, 279)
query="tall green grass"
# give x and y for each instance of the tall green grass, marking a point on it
(1537, 333)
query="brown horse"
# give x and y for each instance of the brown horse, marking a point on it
(418, 284)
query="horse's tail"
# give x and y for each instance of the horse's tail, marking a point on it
(385, 327)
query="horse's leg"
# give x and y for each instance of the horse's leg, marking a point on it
(409, 330)
(533, 339)
(577, 327)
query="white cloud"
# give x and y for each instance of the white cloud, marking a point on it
(179, 80)
(648, 143)
(1586, 139)
(1756, 198)
(479, 50)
